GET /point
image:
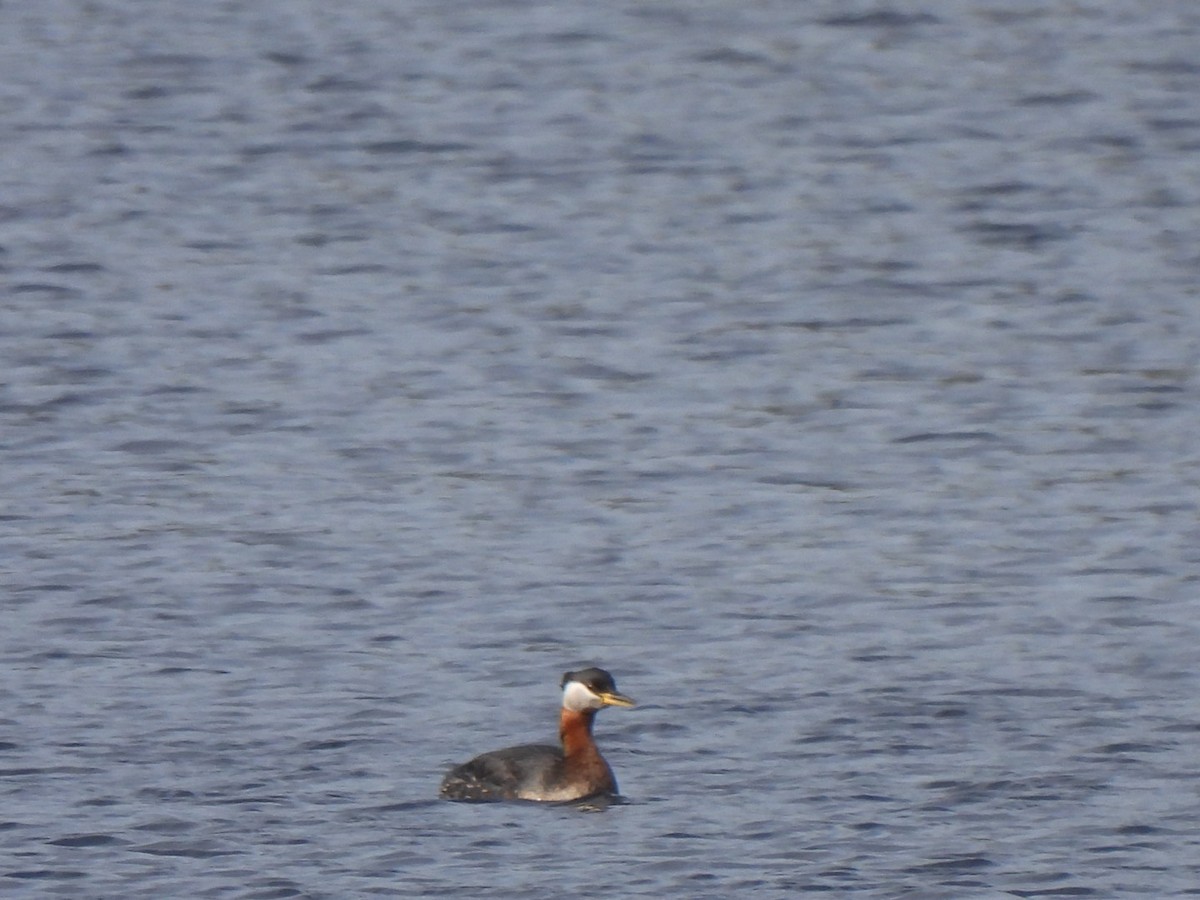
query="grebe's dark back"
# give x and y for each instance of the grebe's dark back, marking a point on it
(542, 772)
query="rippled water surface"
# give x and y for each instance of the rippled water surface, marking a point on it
(825, 370)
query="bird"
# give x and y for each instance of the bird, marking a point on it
(542, 772)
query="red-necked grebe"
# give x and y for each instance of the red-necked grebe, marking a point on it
(543, 772)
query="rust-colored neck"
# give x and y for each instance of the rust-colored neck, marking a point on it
(585, 770)
(575, 730)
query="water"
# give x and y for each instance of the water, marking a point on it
(826, 372)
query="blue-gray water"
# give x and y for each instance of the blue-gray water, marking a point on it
(826, 370)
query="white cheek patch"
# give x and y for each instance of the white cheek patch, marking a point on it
(578, 698)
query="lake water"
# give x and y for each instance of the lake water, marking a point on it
(827, 371)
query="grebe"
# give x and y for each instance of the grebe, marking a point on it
(543, 772)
